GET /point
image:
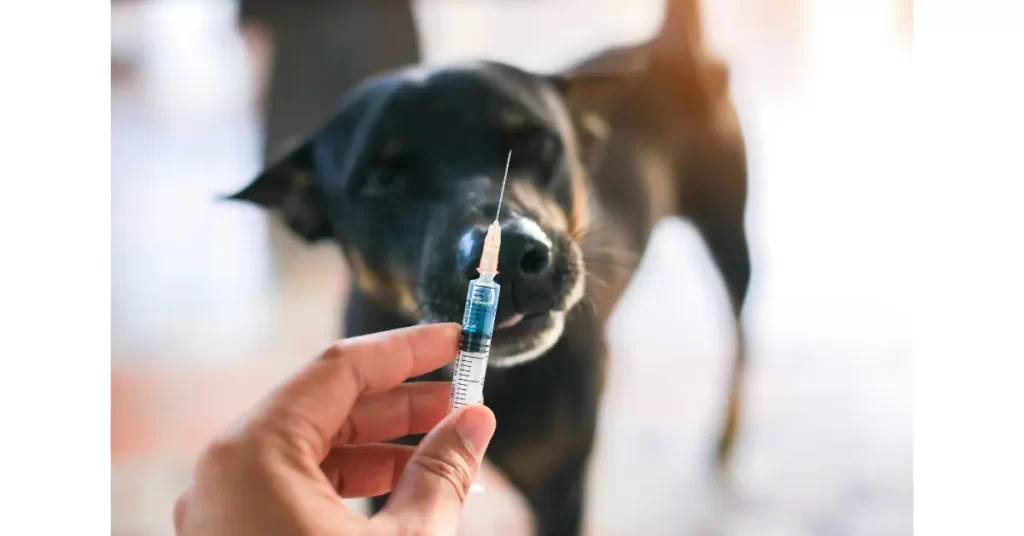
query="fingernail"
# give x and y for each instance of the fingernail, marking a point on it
(476, 426)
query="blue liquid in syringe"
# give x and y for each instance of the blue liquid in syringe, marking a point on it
(475, 343)
(478, 320)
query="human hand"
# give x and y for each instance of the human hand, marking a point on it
(316, 439)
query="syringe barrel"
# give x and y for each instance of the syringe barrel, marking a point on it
(478, 319)
(475, 343)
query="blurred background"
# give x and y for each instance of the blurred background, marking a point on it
(213, 303)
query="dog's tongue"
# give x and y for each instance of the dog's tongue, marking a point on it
(513, 320)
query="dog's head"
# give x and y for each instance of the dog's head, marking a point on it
(406, 178)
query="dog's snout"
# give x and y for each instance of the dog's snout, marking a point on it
(524, 265)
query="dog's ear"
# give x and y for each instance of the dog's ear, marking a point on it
(585, 96)
(293, 187)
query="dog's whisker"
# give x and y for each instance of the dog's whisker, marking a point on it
(591, 276)
(581, 232)
(593, 305)
(590, 231)
(586, 303)
(601, 248)
(617, 252)
(609, 269)
(610, 256)
(610, 262)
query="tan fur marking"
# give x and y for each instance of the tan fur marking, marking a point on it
(551, 213)
(579, 216)
(559, 220)
(393, 293)
(366, 280)
(596, 125)
(404, 298)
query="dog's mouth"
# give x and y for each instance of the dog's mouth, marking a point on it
(522, 338)
(520, 325)
(512, 322)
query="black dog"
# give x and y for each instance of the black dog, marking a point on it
(405, 179)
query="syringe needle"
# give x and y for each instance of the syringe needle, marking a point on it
(503, 179)
(492, 242)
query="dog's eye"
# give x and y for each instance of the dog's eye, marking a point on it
(532, 140)
(381, 182)
(390, 177)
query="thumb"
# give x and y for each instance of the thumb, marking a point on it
(437, 477)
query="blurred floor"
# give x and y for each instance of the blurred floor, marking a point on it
(201, 328)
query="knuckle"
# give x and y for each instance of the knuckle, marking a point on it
(180, 511)
(270, 433)
(339, 353)
(225, 456)
(281, 430)
(451, 468)
(219, 454)
(335, 351)
(417, 529)
(346, 434)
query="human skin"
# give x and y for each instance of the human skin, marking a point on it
(285, 468)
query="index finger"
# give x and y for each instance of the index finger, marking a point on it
(314, 404)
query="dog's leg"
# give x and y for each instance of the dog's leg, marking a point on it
(545, 434)
(717, 208)
(719, 217)
(549, 468)
(558, 503)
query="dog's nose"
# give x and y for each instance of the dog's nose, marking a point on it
(524, 264)
(524, 255)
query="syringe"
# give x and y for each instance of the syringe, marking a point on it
(478, 320)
